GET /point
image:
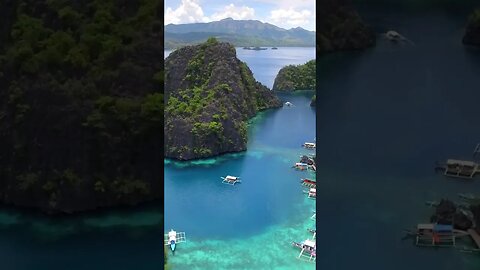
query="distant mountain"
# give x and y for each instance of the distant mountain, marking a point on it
(238, 32)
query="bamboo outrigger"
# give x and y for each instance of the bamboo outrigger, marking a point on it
(308, 250)
(172, 238)
(309, 183)
(231, 180)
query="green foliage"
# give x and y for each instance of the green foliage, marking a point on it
(126, 186)
(296, 77)
(27, 180)
(78, 81)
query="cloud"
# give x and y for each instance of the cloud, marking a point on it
(291, 17)
(237, 13)
(189, 11)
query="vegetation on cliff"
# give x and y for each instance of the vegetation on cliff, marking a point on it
(296, 77)
(314, 100)
(209, 96)
(80, 103)
(340, 27)
(472, 32)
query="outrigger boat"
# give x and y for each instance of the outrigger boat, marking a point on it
(310, 145)
(308, 249)
(309, 183)
(314, 216)
(300, 166)
(231, 180)
(312, 193)
(314, 232)
(288, 103)
(172, 238)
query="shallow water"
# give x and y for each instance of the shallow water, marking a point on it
(250, 225)
(385, 115)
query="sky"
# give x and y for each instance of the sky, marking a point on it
(282, 13)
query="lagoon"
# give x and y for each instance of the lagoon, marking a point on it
(250, 225)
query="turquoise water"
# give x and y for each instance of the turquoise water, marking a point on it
(385, 116)
(250, 225)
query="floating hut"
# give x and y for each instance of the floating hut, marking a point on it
(231, 180)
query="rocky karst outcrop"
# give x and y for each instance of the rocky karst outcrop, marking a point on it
(80, 103)
(340, 27)
(472, 32)
(209, 95)
(296, 77)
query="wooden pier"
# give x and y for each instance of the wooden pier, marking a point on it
(461, 168)
(474, 235)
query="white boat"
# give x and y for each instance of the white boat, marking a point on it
(231, 180)
(288, 103)
(308, 249)
(312, 193)
(310, 145)
(172, 238)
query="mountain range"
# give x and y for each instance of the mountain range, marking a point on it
(238, 32)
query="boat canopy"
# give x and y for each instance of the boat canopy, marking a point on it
(442, 228)
(309, 243)
(313, 190)
(301, 164)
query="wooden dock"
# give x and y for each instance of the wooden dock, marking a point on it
(475, 237)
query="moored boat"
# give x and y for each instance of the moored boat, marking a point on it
(231, 180)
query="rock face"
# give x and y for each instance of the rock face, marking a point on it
(209, 96)
(340, 27)
(80, 103)
(472, 32)
(296, 77)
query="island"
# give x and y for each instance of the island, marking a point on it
(472, 32)
(80, 104)
(296, 77)
(340, 27)
(209, 97)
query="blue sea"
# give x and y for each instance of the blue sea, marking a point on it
(250, 225)
(386, 115)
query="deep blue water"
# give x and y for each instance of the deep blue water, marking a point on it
(269, 204)
(385, 115)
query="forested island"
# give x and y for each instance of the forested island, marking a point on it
(80, 103)
(472, 32)
(209, 95)
(340, 27)
(296, 77)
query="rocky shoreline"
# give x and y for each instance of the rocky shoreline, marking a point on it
(209, 96)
